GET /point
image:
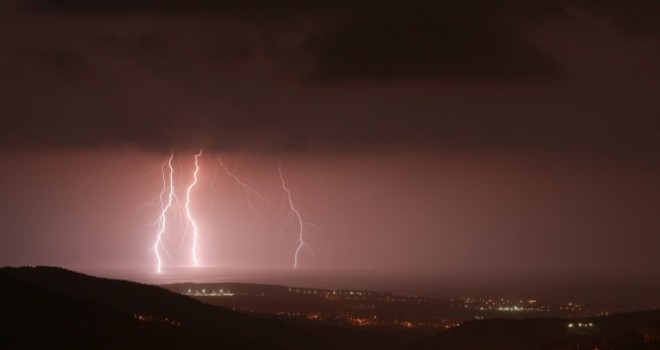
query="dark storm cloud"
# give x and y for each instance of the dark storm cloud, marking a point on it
(428, 46)
(288, 7)
(61, 59)
(434, 40)
(640, 17)
(382, 39)
(296, 75)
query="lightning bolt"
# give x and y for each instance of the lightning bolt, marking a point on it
(189, 218)
(247, 188)
(295, 214)
(173, 210)
(167, 191)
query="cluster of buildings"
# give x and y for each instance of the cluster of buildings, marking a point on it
(366, 309)
(567, 309)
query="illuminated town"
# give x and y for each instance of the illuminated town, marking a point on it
(378, 310)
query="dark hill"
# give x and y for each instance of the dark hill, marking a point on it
(632, 331)
(31, 317)
(47, 307)
(46, 304)
(129, 297)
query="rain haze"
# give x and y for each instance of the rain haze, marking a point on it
(438, 147)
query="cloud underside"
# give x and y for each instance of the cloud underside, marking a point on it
(478, 40)
(382, 40)
(293, 75)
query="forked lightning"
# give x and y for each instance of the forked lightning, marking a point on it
(294, 214)
(171, 205)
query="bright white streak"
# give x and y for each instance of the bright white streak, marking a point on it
(295, 213)
(189, 217)
(247, 188)
(162, 221)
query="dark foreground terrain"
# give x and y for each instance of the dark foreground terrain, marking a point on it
(47, 307)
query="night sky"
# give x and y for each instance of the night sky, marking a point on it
(418, 138)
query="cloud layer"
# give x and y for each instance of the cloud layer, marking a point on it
(339, 77)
